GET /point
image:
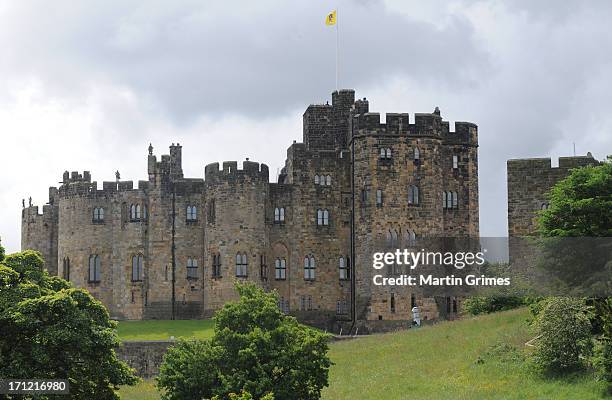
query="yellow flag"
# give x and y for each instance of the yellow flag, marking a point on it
(331, 18)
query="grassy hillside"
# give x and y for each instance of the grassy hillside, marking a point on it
(477, 358)
(162, 330)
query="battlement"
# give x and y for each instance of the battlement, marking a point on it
(425, 124)
(230, 170)
(86, 189)
(74, 176)
(545, 164)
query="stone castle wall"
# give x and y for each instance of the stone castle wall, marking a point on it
(236, 215)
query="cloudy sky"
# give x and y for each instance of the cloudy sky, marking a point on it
(87, 85)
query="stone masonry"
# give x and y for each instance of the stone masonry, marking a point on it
(292, 236)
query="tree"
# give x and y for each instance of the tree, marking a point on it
(255, 348)
(49, 330)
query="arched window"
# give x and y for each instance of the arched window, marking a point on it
(325, 217)
(242, 264)
(280, 269)
(309, 268)
(444, 196)
(383, 152)
(413, 195)
(192, 268)
(394, 239)
(317, 180)
(319, 217)
(344, 268)
(279, 214)
(388, 153)
(98, 214)
(417, 153)
(94, 269)
(137, 271)
(133, 212)
(66, 270)
(455, 200)
(138, 215)
(192, 213)
(328, 180)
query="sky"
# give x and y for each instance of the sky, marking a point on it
(88, 85)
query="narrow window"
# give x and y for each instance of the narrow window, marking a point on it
(309, 268)
(455, 305)
(412, 301)
(66, 271)
(137, 272)
(192, 268)
(132, 212)
(280, 269)
(309, 303)
(417, 153)
(216, 267)
(211, 212)
(383, 153)
(388, 155)
(413, 195)
(282, 214)
(241, 265)
(379, 198)
(365, 197)
(325, 217)
(263, 266)
(328, 180)
(319, 217)
(166, 273)
(455, 162)
(317, 180)
(137, 215)
(443, 199)
(276, 215)
(343, 268)
(94, 268)
(192, 213)
(392, 302)
(455, 200)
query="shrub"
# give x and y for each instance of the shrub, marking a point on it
(564, 340)
(256, 349)
(488, 304)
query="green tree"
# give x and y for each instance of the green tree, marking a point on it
(49, 330)
(255, 348)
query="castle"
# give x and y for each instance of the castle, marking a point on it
(409, 181)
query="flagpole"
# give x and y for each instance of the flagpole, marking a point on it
(337, 49)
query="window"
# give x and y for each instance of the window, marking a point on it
(135, 212)
(216, 266)
(309, 268)
(192, 213)
(280, 269)
(263, 267)
(450, 200)
(66, 270)
(94, 268)
(417, 153)
(379, 198)
(328, 180)
(455, 162)
(241, 264)
(365, 197)
(385, 153)
(211, 212)
(279, 214)
(322, 217)
(98, 215)
(341, 307)
(410, 238)
(317, 180)
(192, 268)
(413, 195)
(392, 302)
(344, 268)
(412, 301)
(283, 305)
(137, 272)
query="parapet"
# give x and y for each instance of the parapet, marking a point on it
(544, 164)
(230, 170)
(74, 176)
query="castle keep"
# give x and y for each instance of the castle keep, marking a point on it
(411, 179)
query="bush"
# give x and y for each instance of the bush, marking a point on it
(602, 360)
(564, 340)
(488, 304)
(256, 349)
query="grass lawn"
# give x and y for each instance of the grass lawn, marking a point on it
(477, 358)
(162, 330)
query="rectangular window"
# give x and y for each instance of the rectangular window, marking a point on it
(192, 268)
(241, 265)
(263, 267)
(280, 269)
(379, 198)
(455, 162)
(216, 267)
